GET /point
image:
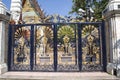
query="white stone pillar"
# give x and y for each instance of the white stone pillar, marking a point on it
(3, 65)
(3, 18)
(112, 21)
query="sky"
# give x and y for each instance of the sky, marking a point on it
(61, 7)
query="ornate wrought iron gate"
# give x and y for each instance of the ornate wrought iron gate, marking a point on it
(56, 47)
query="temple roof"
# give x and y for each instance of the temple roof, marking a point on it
(36, 6)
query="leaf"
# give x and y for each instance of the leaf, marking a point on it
(97, 5)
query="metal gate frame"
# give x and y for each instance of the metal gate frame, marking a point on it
(79, 25)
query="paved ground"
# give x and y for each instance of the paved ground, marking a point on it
(57, 76)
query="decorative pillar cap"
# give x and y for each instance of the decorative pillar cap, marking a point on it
(113, 7)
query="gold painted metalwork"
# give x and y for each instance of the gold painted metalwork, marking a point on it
(22, 47)
(66, 43)
(44, 45)
(90, 48)
(66, 50)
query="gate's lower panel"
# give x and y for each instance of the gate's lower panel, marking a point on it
(92, 68)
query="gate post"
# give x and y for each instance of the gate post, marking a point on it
(112, 25)
(104, 56)
(4, 19)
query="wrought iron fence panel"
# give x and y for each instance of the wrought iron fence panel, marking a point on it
(56, 47)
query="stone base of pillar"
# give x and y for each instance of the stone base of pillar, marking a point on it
(118, 70)
(118, 73)
(3, 68)
(111, 68)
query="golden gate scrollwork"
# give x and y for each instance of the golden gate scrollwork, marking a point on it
(66, 45)
(56, 47)
(44, 57)
(91, 55)
(21, 48)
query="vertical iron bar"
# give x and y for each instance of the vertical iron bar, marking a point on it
(35, 44)
(104, 46)
(79, 46)
(9, 46)
(32, 47)
(99, 26)
(76, 52)
(55, 47)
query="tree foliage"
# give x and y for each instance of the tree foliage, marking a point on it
(97, 5)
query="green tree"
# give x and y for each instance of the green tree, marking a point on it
(97, 5)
